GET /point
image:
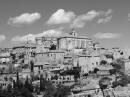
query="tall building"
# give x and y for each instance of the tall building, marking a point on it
(68, 48)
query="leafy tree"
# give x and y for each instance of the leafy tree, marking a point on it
(119, 66)
(109, 56)
(123, 81)
(59, 91)
(103, 83)
(16, 92)
(62, 91)
(9, 87)
(25, 92)
(129, 57)
(53, 47)
(50, 90)
(96, 70)
(112, 71)
(103, 62)
(28, 85)
(13, 57)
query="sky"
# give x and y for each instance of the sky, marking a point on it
(104, 21)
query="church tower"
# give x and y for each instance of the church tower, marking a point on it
(73, 33)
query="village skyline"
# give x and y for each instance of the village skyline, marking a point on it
(106, 22)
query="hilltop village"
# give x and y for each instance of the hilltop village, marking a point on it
(68, 60)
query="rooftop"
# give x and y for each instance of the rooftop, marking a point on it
(52, 51)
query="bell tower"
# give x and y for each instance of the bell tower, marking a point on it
(72, 32)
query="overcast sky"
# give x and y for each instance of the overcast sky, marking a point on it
(105, 21)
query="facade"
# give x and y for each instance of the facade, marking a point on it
(4, 84)
(68, 49)
(74, 43)
(127, 67)
(24, 52)
(87, 62)
(45, 44)
(5, 56)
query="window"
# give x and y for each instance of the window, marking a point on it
(78, 44)
(42, 67)
(82, 44)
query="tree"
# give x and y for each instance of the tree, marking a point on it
(129, 57)
(123, 81)
(28, 85)
(103, 62)
(32, 65)
(13, 57)
(112, 71)
(109, 56)
(16, 92)
(62, 91)
(96, 70)
(42, 83)
(9, 87)
(103, 83)
(25, 92)
(119, 66)
(50, 90)
(53, 47)
(59, 91)
(17, 80)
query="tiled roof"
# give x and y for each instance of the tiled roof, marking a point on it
(22, 45)
(52, 51)
(66, 35)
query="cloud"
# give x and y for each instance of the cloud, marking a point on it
(25, 18)
(81, 20)
(31, 37)
(105, 20)
(78, 21)
(110, 11)
(60, 17)
(2, 38)
(101, 35)
(105, 16)
(129, 16)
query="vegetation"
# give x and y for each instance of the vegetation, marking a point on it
(25, 90)
(119, 70)
(95, 70)
(118, 64)
(103, 62)
(109, 56)
(59, 91)
(103, 83)
(75, 71)
(16, 91)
